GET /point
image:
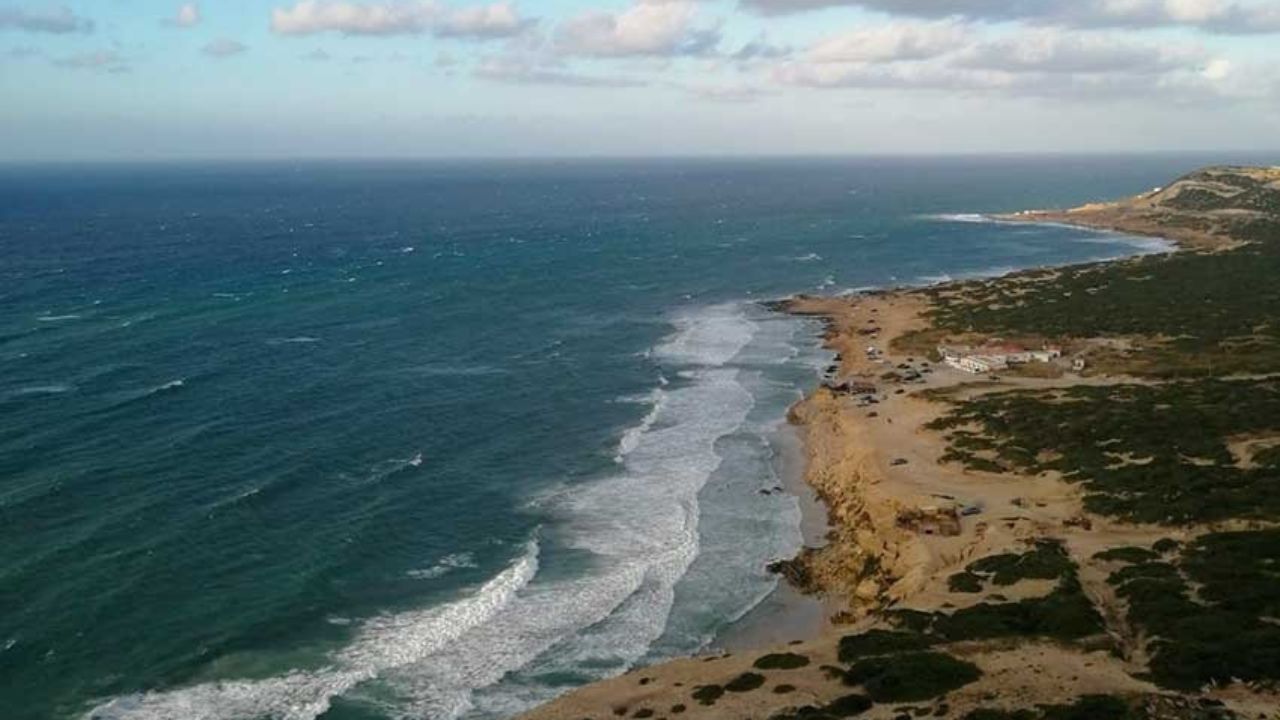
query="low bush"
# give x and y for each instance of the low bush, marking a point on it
(1127, 555)
(964, 582)
(912, 676)
(746, 682)
(781, 661)
(881, 642)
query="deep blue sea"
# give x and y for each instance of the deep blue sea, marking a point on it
(430, 440)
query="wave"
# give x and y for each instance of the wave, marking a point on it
(962, 218)
(52, 389)
(708, 337)
(300, 339)
(631, 436)
(446, 565)
(381, 644)
(56, 318)
(1145, 245)
(171, 385)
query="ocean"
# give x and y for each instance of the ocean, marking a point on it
(432, 439)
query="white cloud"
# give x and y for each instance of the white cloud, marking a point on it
(516, 72)
(1218, 16)
(224, 48)
(188, 15)
(1043, 63)
(1056, 52)
(891, 42)
(308, 17)
(57, 19)
(646, 29)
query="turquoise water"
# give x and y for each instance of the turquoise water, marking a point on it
(387, 440)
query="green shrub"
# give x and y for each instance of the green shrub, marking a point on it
(1048, 561)
(911, 676)
(1064, 614)
(964, 582)
(1091, 707)
(746, 682)
(848, 706)
(1127, 555)
(1225, 632)
(881, 642)
(708, 694)
(781, 661)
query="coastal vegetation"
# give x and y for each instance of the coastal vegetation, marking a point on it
(1210, 614)
(910, 676)
(1195, 451)
(1089, 707)
(1066, 613)
(881, 642)
(781, 661)
(1192, 314)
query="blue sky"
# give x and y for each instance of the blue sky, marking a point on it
(153, 79)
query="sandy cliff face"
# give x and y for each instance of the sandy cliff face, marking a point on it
(869, 559)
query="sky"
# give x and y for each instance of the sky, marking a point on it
(244, 79)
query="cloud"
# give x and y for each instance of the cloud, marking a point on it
(57, 19)
(108, 60)
(1041, 63)
(516, 72)
(665, 29)
(309, 17)
(1052, 52)
(891, 42)
(188, 15)
(318, 55)
(224, 48)
(1217, 16)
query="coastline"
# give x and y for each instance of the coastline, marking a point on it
(1013, 534)
(858, 556)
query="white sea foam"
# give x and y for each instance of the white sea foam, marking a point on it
(934, 279)
(52, 389)
(298, 340)
(632, 436)
(446, 565)
(962, 217)
(57, 318)
(381, 644)
(708, 337)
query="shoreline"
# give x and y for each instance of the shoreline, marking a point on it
(787, 613)
(895, 530)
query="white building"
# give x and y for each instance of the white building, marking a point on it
(978, 364)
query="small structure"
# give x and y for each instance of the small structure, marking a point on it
(1078, 364)
(993, 357)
